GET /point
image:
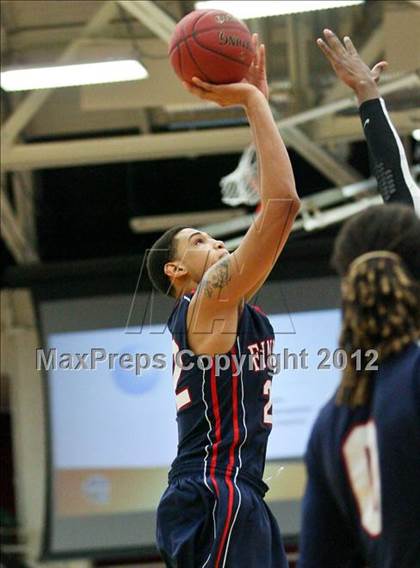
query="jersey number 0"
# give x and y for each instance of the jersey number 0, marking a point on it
(360, 452)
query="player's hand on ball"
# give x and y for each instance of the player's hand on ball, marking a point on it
(233, 94)
(257, 74)
(347, 63)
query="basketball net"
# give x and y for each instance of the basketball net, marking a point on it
(241, 186)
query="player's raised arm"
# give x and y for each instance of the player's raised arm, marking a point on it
(387, 153)
(227, 281)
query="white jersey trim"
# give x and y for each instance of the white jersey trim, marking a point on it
(206, 458)
(240, 461)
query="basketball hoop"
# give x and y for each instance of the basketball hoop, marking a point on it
(241, 186)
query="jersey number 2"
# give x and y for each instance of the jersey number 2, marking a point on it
(360, 452)
(182, 397)
(268, 415)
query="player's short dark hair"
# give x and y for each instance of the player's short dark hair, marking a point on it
(162, 251)
(380, 291)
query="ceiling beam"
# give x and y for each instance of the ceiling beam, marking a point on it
(127, 148)
(167, 145)
(319, 210)
(12, 232)
(151, 223)
(337, 129)
(23, 193)
(30, 105)
(149, 14)
(333, 169)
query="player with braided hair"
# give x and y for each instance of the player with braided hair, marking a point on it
(362, 501)
(378, 255)
(381, 313)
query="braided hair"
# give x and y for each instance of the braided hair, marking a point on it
(378, 254)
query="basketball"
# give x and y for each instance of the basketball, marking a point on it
(212, 45)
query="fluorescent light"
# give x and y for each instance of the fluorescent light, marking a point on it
(70, 75)
(416, 134)
(244, 10)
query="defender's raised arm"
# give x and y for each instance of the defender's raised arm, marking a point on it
(388, 157)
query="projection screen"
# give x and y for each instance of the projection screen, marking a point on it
(112, 430)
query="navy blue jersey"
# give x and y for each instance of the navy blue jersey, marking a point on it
(224, 416)
(363, 494)
(212, 513)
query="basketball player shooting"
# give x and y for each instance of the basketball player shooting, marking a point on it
(213, 513)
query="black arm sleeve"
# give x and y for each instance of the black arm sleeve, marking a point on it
(390, 166)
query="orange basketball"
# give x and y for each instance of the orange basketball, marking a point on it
(212, 45)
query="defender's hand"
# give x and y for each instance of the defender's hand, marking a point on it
(232, 94)
(348, 65)
(257, 74)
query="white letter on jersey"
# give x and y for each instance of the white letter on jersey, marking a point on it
(360, 451)
(182, 398)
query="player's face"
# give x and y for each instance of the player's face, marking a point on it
(198, 251)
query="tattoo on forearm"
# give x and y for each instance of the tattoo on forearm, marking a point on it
(218, 278)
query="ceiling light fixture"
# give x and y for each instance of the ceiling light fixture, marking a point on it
(260, 9)
(71, 75)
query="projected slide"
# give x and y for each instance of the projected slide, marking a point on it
(302, 386)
